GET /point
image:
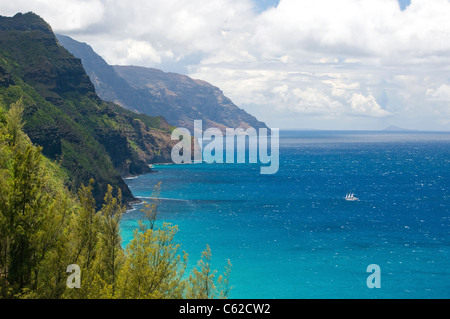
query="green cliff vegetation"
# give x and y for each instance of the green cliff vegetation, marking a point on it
(45, 227)
(89, 137)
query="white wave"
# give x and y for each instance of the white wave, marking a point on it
(163, 198)
(131, 177)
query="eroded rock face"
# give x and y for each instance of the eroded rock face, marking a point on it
(63, 114)
(181, 99)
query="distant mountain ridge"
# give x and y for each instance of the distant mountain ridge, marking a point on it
(178, 98)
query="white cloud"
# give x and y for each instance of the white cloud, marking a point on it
(322, 58)
(64, 15)
(182, 27)
(442, 93)
(367, 106)
(356, 27)
(140, 50)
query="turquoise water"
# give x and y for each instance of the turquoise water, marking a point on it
(292, 235)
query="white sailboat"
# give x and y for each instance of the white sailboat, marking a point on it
(350, 197)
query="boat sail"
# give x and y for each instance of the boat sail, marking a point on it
(351, 197)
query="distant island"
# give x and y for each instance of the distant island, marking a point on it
(394, 128)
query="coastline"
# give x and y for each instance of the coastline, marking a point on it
(136, 201)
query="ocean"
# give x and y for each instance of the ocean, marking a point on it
(293, 235)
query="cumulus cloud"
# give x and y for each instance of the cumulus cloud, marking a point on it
(182, 27)
(356, 27)
(442, 93)
(367, 106)
(365, 58)
(65, 15)
(301, 59)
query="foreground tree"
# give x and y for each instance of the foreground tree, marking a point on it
(33, 215)
(111, 255)
(203, 283)
(154, 266)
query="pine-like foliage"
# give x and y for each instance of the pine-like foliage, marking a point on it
(44, 228)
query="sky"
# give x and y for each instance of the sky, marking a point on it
(323, 64)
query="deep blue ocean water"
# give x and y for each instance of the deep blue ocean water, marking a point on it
(292, 235)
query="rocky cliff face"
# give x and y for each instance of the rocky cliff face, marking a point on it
(52, 70)
(108, 85)
(64, 115)
(178, 98)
